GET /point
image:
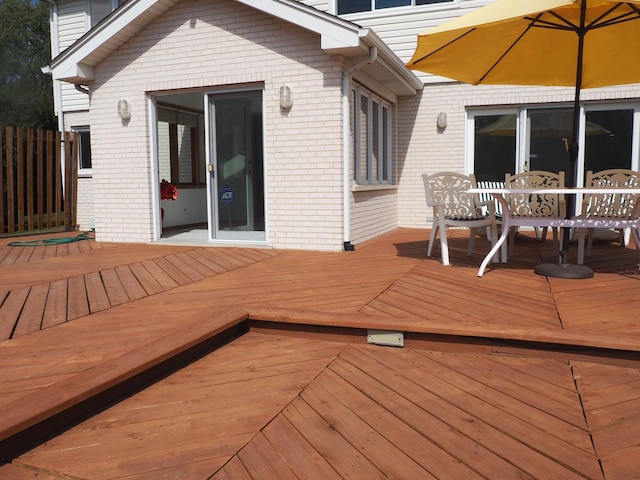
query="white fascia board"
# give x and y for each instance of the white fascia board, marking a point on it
(76, 63)
(335, 33)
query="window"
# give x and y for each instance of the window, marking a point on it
(180, 143)
(372, 146)
(99, 9)
(535, 139)
(356, 6)
(84, 152)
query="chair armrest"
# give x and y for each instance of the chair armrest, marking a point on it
(490, 204)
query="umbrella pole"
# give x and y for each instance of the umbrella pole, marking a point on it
(563, 269)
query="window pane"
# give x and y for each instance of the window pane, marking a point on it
(353, 6)
(98, 10)
(550, 130)
(164, 151)
(495, 147)
(184, 154)
(85, 149)
(429, 2)
(608, 140)
(385, 146)
(364, 144)
(392, 3)
(376, 143)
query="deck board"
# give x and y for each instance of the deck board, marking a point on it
(294, 400)
(31, 314)
(55, 311)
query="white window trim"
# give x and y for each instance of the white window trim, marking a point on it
(370, 184)
(390, 11)
(521, 140)
(87, 9)
(82, 172)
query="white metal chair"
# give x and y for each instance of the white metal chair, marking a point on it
(525, 206)
(487, 197)
(453, 206)
(608, 206)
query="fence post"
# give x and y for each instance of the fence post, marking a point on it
(2, 189)
(20, 178)
(30, 210)
(10, 189)
(58, 177)
(40, 204)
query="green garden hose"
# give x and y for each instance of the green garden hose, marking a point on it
(50, 241)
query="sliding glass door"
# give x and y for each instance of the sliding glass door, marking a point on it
(235, 166)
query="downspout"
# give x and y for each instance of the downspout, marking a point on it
(55, 51)
(81, 88)
(346, 90)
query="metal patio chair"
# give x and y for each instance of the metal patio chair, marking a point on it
(453, 206)
(608, 205)
(524, 206)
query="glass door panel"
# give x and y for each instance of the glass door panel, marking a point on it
(236, 165)
(494, 146)
(609, 140)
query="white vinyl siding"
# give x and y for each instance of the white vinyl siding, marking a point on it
(72, 24)
(399, 27)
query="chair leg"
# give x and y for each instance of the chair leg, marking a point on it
(589, 241)
(623, 237)
(541, 233)
(504, 252)
(512, 239)
(472, 241)
(434, 231)
(444, 246)
(635, 234)
(494, 239)
(581, 240)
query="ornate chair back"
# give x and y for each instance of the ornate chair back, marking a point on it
(536, 205)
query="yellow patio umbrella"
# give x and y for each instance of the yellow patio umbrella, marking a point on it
(577, 43)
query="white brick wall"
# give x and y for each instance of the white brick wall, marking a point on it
(203, 44)
(423, 149)
(85, 183)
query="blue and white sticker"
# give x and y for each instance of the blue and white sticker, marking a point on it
(227, 195)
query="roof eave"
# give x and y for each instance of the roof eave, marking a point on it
(338, 37)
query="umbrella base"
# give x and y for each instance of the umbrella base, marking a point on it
(563, 270)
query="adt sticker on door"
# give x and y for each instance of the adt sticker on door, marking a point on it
(227, 195)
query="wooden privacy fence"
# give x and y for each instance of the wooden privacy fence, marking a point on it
(38, 175)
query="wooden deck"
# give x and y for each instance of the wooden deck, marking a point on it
(138, 361)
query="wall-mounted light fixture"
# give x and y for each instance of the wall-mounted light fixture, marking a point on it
(124, 109)
(286, 97)
(441, 121)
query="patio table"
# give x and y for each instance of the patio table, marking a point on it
(632, 222)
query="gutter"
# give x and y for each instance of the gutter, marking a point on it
(346, 90)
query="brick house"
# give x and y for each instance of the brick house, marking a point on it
(291, 124)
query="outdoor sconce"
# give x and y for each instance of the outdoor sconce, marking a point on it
(124, 109)
(441, 121)
(286, 97)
